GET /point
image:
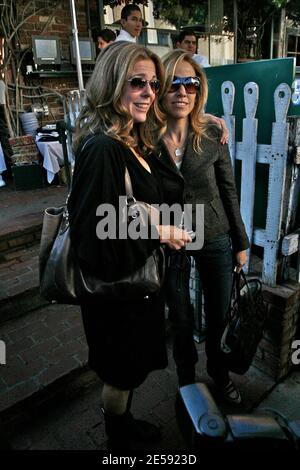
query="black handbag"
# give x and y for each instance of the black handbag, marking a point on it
(245, 322)
(61, 278)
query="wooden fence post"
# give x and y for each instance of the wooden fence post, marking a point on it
(248, 156)
(228, 94)
(277, 172)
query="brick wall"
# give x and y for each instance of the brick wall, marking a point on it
(56, 22)
(275, 350)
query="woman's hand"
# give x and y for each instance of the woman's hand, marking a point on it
(222, 125)
(241, 260)
(173, 236)
(225, 133)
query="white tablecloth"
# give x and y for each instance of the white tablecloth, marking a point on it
(53, 156)
(2, 161)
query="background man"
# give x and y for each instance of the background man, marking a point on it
(105, 37)
(132, 23)
(187, 40)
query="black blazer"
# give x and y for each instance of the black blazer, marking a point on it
(99, 178)
(205, 178)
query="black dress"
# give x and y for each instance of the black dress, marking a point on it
(126, 340)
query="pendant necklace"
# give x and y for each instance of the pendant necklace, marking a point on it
(179, 151)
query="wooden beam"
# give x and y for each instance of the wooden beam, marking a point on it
(100, 8)
(290, 243)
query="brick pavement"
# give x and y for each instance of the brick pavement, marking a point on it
(18, 272)
(21, 214)
(16, 204)
(73, 421)
(41, 347)
(76, 422)
(49, 343)
(46, 345)
(19, 283)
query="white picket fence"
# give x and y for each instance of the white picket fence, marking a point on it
(275, 156)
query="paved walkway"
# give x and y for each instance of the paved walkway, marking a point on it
(19, 271)
(41, 347)
(74, 422)
(48, 397)
(48, 344)
(15, 204)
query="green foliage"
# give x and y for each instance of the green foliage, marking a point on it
(279, 3)
(185, 12)
(293, 11)
(114, 3)
(253, 18)
(181, 12)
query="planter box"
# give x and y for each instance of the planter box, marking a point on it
(27, 176)
(21, 141)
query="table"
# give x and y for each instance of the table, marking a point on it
(53, 157)
(2, 161)
(2, 166)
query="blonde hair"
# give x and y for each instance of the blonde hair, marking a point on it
(198, 121)
(104, 111)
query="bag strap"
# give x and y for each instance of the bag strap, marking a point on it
(235, 293)
(243, 276)
(128, 184)
(236, 290)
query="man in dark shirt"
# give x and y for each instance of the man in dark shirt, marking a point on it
(104, 38)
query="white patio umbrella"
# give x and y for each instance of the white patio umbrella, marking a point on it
(76, 44)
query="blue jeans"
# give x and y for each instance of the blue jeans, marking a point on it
(181, 314)
(214, 263)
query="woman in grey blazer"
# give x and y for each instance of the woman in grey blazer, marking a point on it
(195, 168)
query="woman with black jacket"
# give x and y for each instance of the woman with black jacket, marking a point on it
(195, 169)
(126, 339)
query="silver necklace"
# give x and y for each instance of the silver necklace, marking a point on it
(179, 151)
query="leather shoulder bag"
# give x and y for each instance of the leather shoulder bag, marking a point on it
(61, 278)
(245, 322)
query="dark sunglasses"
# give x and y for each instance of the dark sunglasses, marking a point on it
(191, 84)
(138, 83)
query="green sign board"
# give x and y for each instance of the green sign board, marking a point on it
(268, 74)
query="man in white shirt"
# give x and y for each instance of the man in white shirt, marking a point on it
(132, 23)
(187, 40)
